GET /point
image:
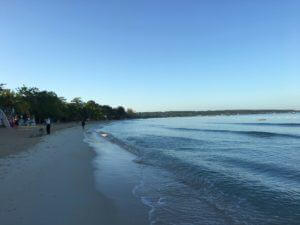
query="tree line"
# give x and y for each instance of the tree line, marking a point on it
(144, 115)
(31, 102)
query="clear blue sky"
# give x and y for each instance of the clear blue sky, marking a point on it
(156, 54)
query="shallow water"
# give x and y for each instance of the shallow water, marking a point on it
(216, 170)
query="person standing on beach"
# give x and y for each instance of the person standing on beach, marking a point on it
(83, 123)
(48, 125)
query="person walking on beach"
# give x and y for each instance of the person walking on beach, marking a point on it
(48, 125)
(83, 123)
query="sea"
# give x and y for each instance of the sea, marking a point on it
(240, 169)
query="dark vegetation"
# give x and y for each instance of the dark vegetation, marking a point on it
(31, 102)
(28, 102)
(207, 113)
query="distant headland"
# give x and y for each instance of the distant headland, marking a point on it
(31, 103)
(210, 113)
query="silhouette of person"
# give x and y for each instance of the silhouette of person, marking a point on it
(48, 125)
(83, 124)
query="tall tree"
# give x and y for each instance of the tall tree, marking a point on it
(43, 104)
(120, 113)
(1, 86)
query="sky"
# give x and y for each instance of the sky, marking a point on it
(156, 55)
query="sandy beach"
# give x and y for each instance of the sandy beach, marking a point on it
(15, 140)
(53, 182)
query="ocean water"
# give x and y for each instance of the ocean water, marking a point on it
(215, 170)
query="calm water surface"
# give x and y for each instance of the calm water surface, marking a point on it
(216, 170)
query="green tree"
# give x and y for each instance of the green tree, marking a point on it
(108, 112)
(130, 113)
(43, 104)
(1, 87)
(7, 99)
(120, 113)
(93, 110)
(75, 109)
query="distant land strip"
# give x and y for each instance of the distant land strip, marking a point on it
(210, 113)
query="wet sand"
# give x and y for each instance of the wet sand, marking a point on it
(53, 183)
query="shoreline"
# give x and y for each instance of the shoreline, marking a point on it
(53, 182)
(117, 176)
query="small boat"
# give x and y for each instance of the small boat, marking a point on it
(104, 135)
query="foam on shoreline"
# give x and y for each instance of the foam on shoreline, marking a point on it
(54, 183)
(116, 177)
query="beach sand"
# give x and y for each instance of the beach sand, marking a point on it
(53, 182)
(15, 140)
